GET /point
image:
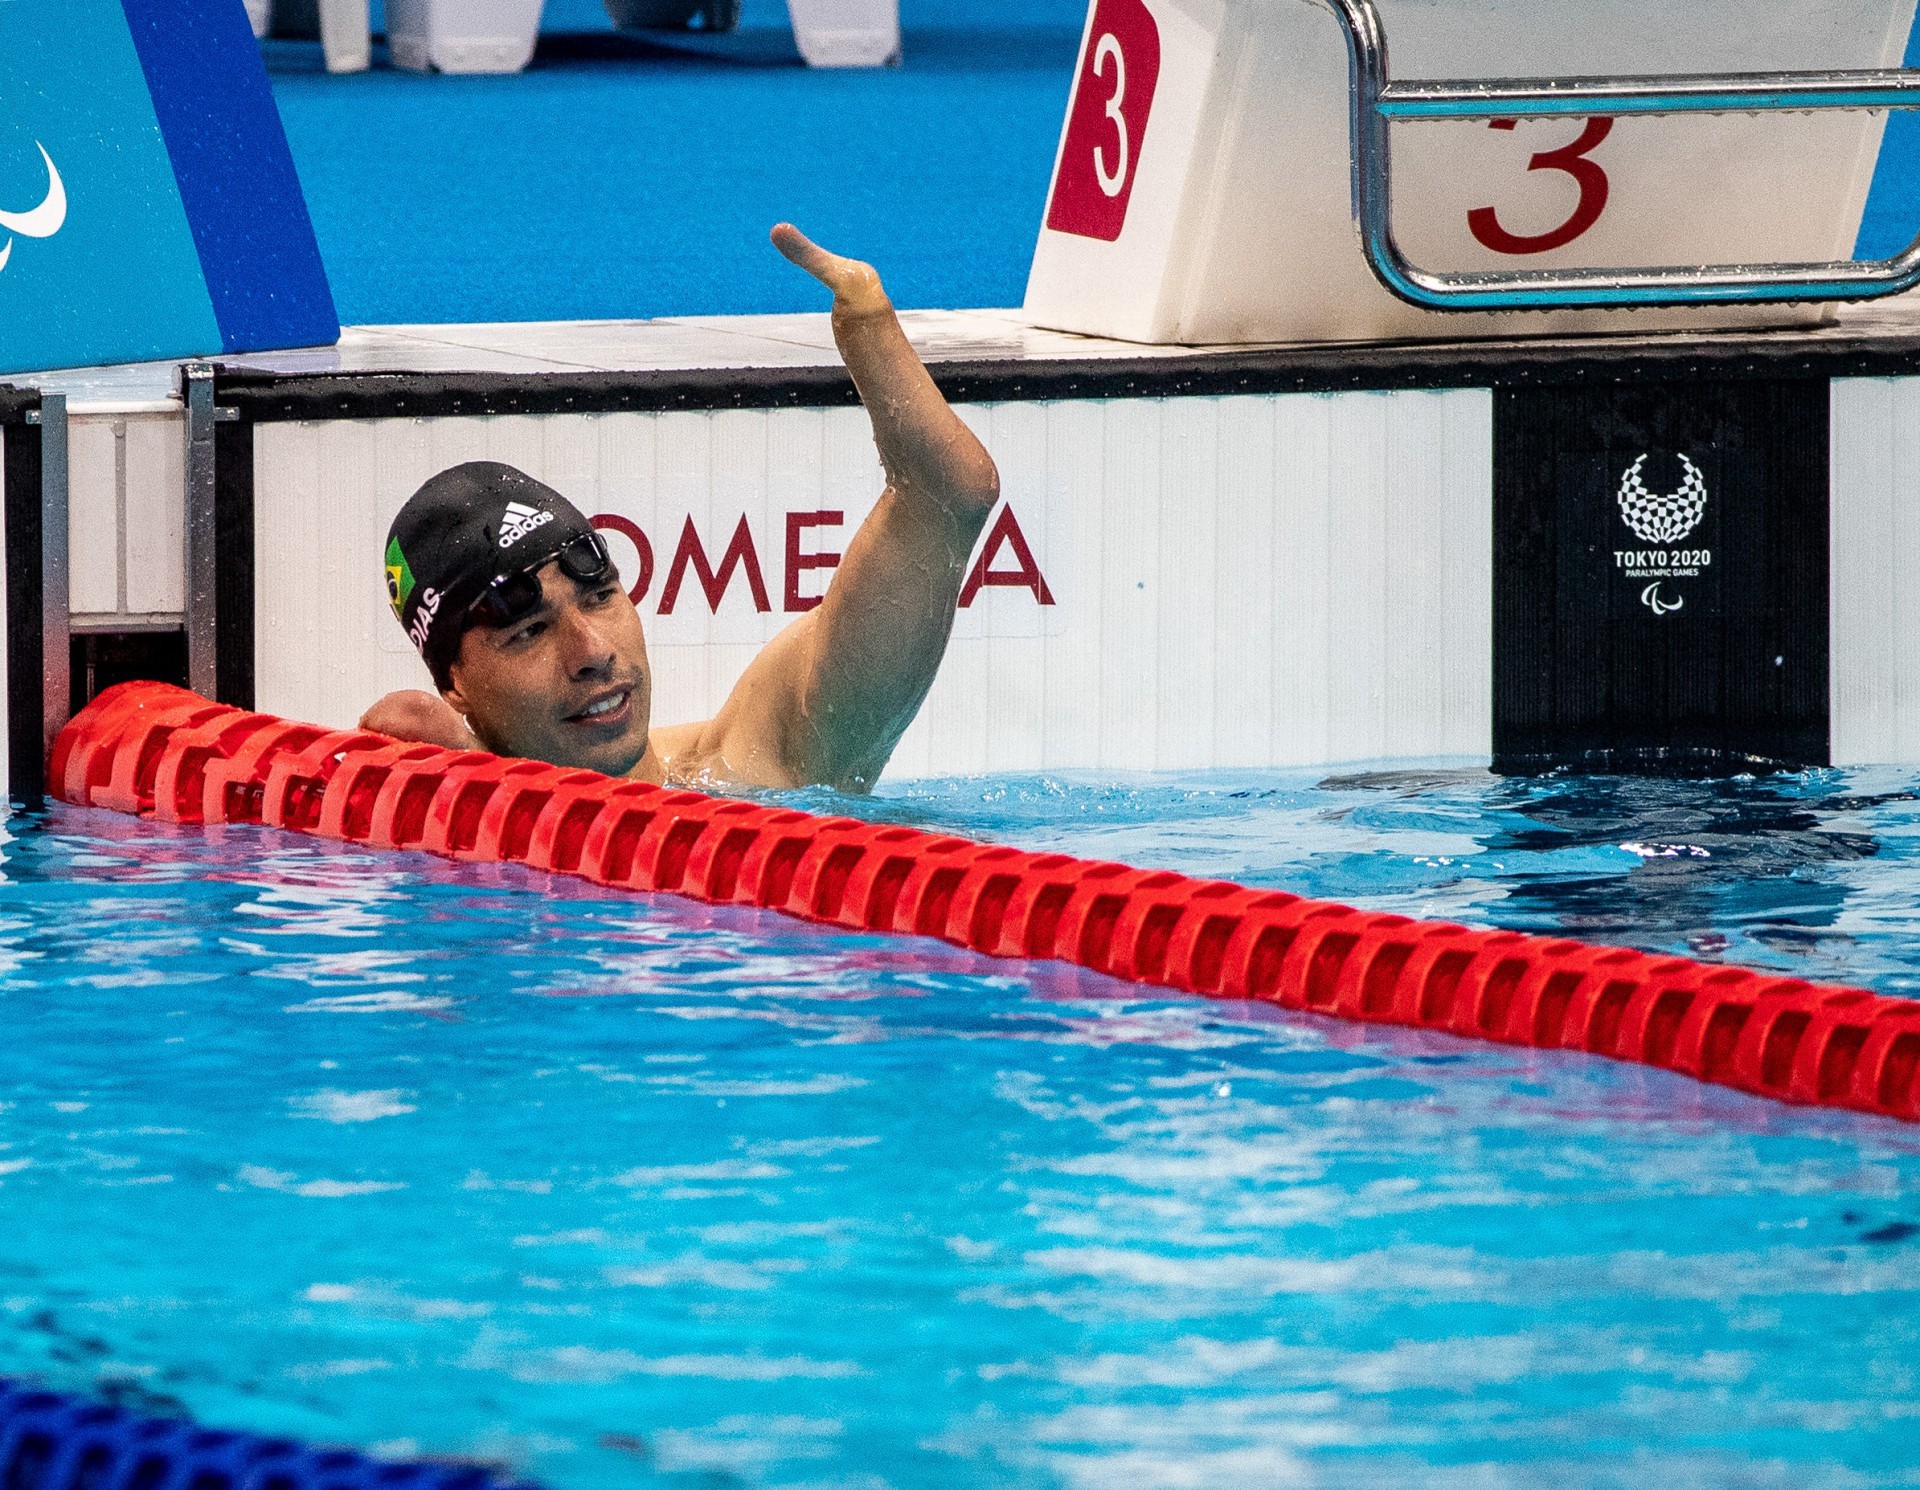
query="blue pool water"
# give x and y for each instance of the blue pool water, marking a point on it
(617, 1190)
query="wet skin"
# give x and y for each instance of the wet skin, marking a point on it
(567, 683)
(824, 702)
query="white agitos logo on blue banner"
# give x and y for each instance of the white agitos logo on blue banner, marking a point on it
(147, 198)
(42, 221)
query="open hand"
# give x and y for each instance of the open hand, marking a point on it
(856, 286)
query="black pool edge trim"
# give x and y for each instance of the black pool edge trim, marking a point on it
(258, 396)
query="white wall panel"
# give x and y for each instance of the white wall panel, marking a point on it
(1186, 588)
(1303, 549)
(127, 501)
(94, 455)
(1073, 490)
(1246, 608)
(1258, 580)
(155, 561)
(1874, 548)
(1354, 581)
(1123, 582)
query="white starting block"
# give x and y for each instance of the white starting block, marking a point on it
(494, 36)
(1206, 184)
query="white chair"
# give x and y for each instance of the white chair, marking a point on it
(499, 35)
(342, 25)
(424, 35)
(846, 33)
(829, 33)
(463, 35)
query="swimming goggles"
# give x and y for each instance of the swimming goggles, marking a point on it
(514, 597)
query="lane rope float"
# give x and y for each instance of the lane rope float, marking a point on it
(160, 751)
(49, 1441)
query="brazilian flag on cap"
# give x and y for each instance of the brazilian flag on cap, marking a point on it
(399, 578)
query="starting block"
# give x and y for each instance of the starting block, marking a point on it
(1214, 159)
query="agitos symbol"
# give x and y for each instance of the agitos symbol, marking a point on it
(1005, 561)
(42, 221)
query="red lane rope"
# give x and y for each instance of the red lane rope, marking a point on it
(154, 749)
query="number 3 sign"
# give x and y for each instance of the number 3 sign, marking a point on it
(1106, 121)
(1484, 222)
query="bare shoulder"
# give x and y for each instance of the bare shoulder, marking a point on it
(679, 747)
(734, 748)
(750, 742)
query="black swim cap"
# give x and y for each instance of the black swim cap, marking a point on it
(462, 530)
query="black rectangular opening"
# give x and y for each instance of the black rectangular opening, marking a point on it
(104, 658)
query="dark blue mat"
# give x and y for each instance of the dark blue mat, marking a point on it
(54, 1442)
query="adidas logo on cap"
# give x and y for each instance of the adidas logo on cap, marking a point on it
(519, 521)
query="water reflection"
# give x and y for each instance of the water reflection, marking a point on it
(622, 1191)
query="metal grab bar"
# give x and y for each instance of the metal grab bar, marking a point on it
(1377, 102)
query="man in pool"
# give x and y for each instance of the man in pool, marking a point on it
(517, 609)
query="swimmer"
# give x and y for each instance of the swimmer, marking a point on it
(518, 611)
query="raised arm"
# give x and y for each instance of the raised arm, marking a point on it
(828, 699)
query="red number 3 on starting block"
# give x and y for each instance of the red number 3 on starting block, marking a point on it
(1484, 222)
(1106, 121)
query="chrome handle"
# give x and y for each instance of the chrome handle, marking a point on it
(1376, 101)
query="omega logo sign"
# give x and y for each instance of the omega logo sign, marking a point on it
(1005, 561)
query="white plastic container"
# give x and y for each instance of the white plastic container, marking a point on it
(846, 33)
(345, 35)
(829, 33)
(463, 35)
(341, 26)
(1201, 192)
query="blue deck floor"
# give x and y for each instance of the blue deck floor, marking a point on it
(617, 178)
(626, 178)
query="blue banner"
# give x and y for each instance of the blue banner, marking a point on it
(148, 203)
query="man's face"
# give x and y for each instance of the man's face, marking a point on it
(567, 684)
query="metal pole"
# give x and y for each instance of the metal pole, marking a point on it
(1375, 100)
(1689, 93)
(196, 380)
(56, 654)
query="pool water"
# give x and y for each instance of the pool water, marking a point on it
(454, 1160)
